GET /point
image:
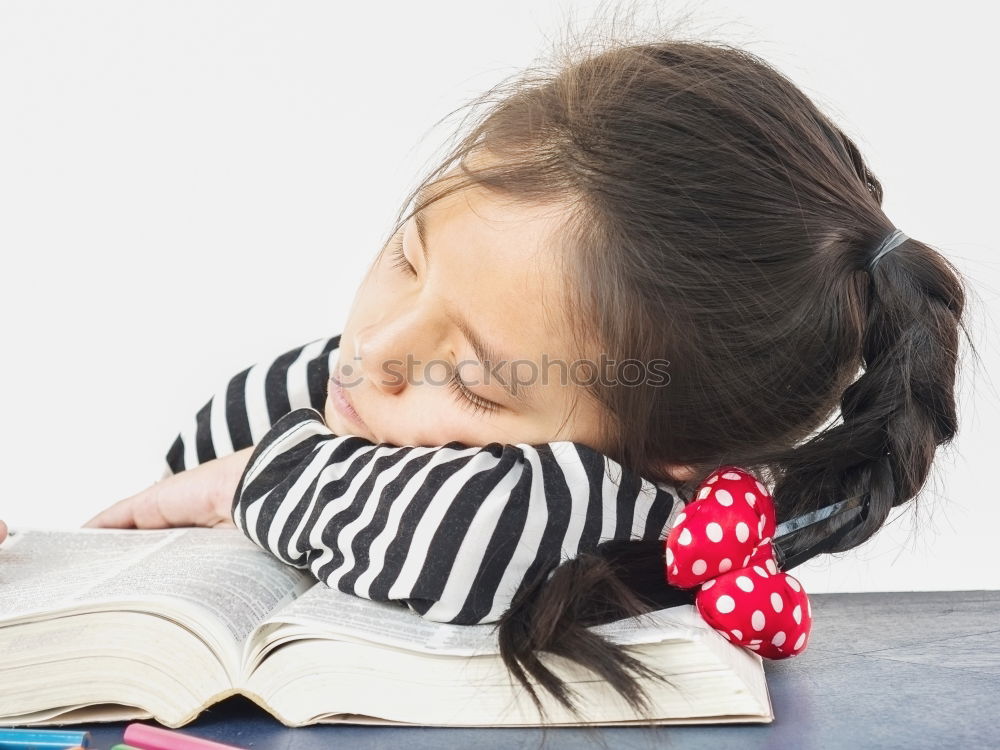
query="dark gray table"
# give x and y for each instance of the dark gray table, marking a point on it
(906, 670)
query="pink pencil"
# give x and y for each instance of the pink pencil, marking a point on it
(153, 738)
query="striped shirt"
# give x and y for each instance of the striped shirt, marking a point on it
(450, 531)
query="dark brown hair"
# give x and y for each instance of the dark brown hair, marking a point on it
(719, 220)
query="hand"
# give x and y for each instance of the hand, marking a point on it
(200, 496)
(3, 529)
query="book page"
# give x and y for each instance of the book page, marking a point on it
(50, 570)
(325, 611)
(682, 622)
(216, 570)
(322, 611)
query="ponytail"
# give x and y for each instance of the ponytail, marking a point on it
(894, 416)
(897, 413)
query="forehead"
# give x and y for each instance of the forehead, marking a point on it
(500, 263)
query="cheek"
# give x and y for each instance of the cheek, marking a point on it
(435, 421)
(429, 416)
(451, 422)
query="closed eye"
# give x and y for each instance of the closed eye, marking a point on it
(470, 399)
(399, 258)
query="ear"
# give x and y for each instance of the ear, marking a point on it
(679, 472)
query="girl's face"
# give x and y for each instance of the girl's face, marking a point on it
(471, 272)
(481, 274)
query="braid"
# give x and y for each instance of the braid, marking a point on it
(901, 408)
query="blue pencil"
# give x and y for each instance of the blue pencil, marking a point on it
(42, 739)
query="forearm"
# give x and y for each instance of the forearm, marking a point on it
(451, 530)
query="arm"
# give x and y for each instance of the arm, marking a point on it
(424, 526)
(208, 456)
(250, 402)
(450, 531)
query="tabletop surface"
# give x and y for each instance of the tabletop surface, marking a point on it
(907, 670)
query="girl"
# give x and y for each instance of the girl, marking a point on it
(681, 220)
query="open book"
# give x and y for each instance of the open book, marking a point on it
(110, 625)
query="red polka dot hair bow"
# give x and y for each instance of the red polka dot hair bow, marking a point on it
(722, 543)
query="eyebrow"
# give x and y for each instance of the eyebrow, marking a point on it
(484, 351)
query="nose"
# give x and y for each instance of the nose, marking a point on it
(391, 353)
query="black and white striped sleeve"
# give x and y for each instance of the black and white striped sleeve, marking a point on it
(246, 406)
(451, 531)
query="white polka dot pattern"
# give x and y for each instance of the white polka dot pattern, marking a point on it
(725, 604)
(724, 548)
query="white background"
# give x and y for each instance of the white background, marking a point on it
(189, 187)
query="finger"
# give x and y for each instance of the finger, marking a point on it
(184, 499)
(149, 507)
(139, 511)
(3, 531)
(179, 504)
(180, 501)
(117, 516)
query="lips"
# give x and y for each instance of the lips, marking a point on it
(342, 401)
